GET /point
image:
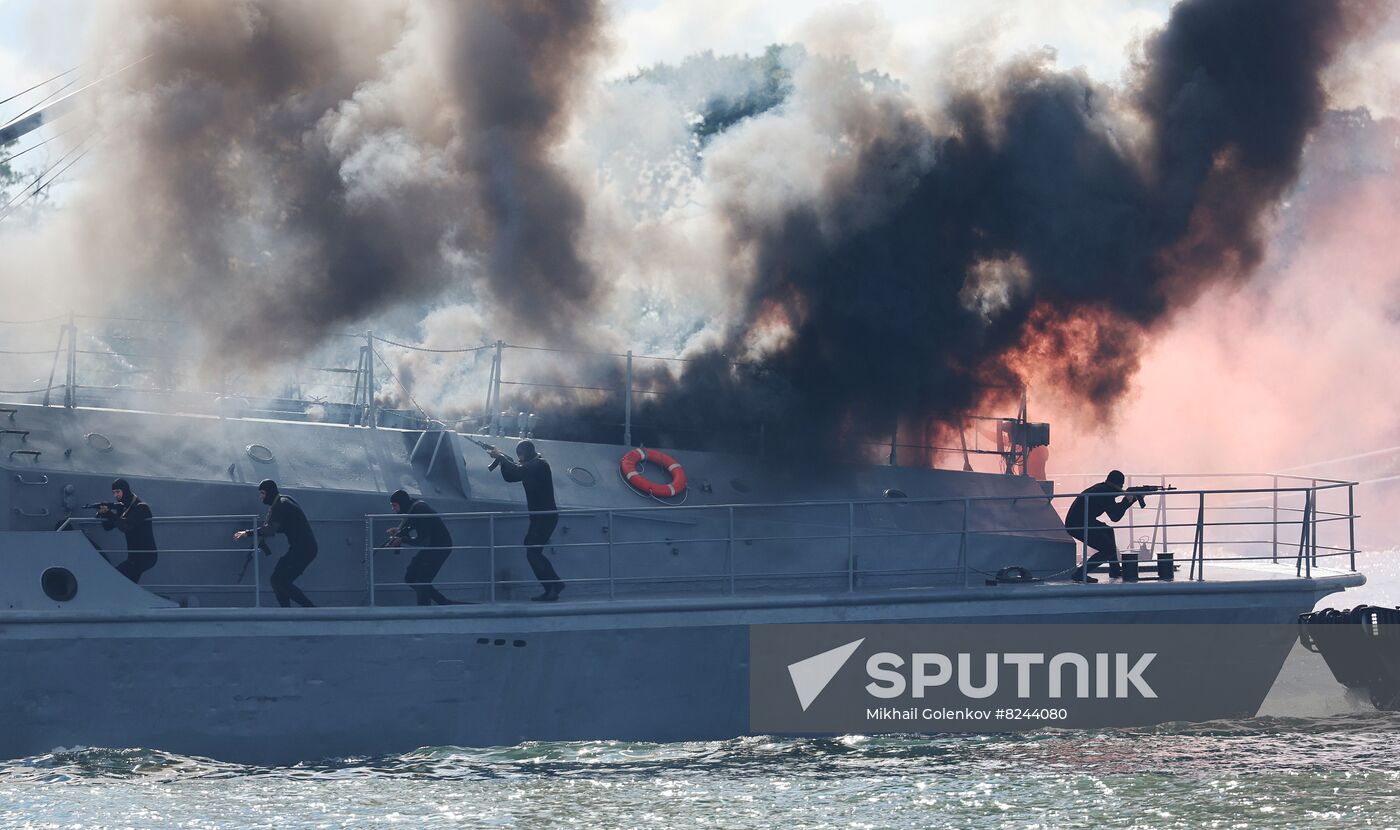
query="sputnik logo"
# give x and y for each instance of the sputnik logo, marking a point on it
(811, 676)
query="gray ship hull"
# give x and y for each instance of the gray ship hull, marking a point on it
(277, 686)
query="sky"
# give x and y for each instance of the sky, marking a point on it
(44, 36)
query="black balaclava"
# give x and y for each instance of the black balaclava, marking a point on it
(402, 499)
(1116, 478)
(525, 451)
(269, 488)
(124, 486)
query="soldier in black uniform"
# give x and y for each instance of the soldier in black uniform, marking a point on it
(133, 518)
(533, 472)
(1082, 522)
(285, 516)
(422, 527)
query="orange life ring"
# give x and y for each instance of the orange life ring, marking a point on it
(635, 457)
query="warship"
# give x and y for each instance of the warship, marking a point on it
(651, 640)
(649, 643)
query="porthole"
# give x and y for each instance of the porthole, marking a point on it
(892, 493)
(59, 584)
(583, 476)
(260, 453)
(99, 442)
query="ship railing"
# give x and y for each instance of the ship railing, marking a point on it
(1301, 521)
(733, 549)
(245, 553)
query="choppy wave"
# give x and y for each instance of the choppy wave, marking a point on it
(1336, 771)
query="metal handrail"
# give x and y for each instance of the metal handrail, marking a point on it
(252, 551)
(723, 535)
(887, 502)
(843, 527)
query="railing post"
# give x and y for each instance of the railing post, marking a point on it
(257, 571)
(369, 558)
(1085, 539)
(496, 390)
(962, 549)
(53, 368)
(1275, 522)
(70, 392)
(1164, 513)
(1351, 524)
(357, 412)
(1312, 546)
(612, 581)
(370, 411)
(491, 549)
(1198, 549)
(731, 551)
(627, 405)
(490, 391)
(851, 547)
(1132, 523)
(1302, 540)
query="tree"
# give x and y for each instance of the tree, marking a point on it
(8, 176)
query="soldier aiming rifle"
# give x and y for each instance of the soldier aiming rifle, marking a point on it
(1082, 521)
(133, 518)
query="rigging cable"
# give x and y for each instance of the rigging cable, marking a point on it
(38, 184)
(42, 101)
(36, 86)
(8, 159)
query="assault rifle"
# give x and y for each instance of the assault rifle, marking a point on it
(262, 546)
(495, 461)
(1143, 489)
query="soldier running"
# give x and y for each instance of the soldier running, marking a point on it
(285, 516)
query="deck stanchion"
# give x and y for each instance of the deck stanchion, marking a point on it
(850, 547)
(612, 585)
(1302, 540)
(490, 393)
(369, 557)
(1312, 546)
(962, 544)
(1351, 524)
(731, 551)
(1275, 522)
(495, 413)
(491, 546)
(70, 386)
(1164, 514)
(1084, 568)
(627, 405)
(257, 574)
(53, 369)
(1132, 523)
(371, 414)
(1198, 549)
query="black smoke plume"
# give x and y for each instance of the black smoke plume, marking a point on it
(1041, 230)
